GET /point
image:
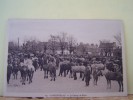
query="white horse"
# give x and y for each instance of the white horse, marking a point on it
(30, 69)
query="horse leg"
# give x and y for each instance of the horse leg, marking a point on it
(83, 77)
(67, 71)
(47, 73)
(17, 75)
(59, 73)
(107, 83)
(23, 79)
(122, 85)
(119, 86)
(96, 80)
(41, 67)
(44, 74)
(8, 78)
(93, 81)
(75, 76)
(80, 75)
(20, 74)
(13, 75)
(27, 78)
(54, 74)
(64, 73)
(32, 75)
(110, 84)
(35, 69)
(30, 79)
(29, 75)
(87, 81)
(71, 74)
(51, 75)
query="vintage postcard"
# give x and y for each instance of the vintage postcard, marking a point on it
(65, 58)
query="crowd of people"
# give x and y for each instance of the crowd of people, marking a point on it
(88, 67)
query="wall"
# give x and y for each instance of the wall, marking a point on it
(69, 9)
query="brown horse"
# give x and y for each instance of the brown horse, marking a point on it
(114, 76)
(96, 73)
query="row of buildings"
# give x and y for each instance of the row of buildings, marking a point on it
(103, 49)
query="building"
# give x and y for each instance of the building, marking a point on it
(107, 49)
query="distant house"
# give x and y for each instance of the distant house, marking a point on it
(107, 49)
(65, 52)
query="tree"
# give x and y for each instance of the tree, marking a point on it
(45, 47)
(62, 42)
(104, 41)
(118, 38)
(12, 46)
(30, 46)
(53, 43)
(71, 44)
(82, 48)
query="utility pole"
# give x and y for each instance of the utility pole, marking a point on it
(18, 43)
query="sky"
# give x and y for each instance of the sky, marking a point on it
(86, 31)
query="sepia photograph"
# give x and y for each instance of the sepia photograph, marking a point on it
(65, 58)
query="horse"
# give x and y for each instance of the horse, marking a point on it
(9, 72)
(46, 70)
(87, 75)
(40, 62)
(24, 73)
(52, 69)
(30, 72)
(96, 73)
(30, 69)
(65, 66)
(114, 76)
(78, 69)
(45, 67)
(110, 66)
(99, 66)
(35, 64)
(15, 70)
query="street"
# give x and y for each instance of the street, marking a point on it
(60, 85)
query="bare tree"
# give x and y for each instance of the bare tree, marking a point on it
(12, 46)
(30, 46)
(82, 48)
(52, 43)
(71, 44)
(62, 41)
(118, 38)
(104, 41)
(45, 46)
